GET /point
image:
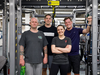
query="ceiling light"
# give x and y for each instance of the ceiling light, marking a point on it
(75, 18)
(80, 18)
(79, 9)
(98, 13)
(80, 22)
(1, 18)
(50, 12)
(91, 5)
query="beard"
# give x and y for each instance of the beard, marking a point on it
(69, 28)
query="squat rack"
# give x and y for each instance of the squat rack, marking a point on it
(16, 26)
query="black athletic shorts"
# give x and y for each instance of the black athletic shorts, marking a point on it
(74, 63)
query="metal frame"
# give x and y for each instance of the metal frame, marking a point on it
(95, 33)
(12, 36)
(92, 65)
(5, 35)
(1, 4)
(19, 31)
(99, 46)
(5, 28)
(37, 3)
(57, 16)
(57, 7)
(90, 1)
(45, 3)
(88, 71)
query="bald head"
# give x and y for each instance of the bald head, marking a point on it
(33, 23)
(89, 17)
(34, 19)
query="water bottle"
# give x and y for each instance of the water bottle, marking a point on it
(22, 70)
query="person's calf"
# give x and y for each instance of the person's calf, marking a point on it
(49, 69)
(44, 71)
(76, 74)
(69, 73)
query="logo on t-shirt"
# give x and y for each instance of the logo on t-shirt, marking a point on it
(65, 41)
(48, 33)
(74, 32)
(40, 37)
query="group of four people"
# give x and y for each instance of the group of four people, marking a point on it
(57, 47)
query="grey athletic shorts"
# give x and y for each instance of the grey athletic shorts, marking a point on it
(33, 69)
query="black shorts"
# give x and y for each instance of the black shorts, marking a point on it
(56, 67)
(74, 63)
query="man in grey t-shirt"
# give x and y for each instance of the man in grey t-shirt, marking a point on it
(31, 44)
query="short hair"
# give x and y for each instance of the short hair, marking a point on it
(35, 18)
(67, 18)
(62, 26)
(48, 15)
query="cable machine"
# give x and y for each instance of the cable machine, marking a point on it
(92, 63)
(15, 31)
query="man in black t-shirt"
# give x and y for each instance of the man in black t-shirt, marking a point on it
(50, 32)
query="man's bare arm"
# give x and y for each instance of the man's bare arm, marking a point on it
(21, 52)
(89, 24)
(45, 55)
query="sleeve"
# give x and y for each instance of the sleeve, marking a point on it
(44, 40)
(39, 28)
(69, 41)
(22, 40)
(80, 30)
(53, 41)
